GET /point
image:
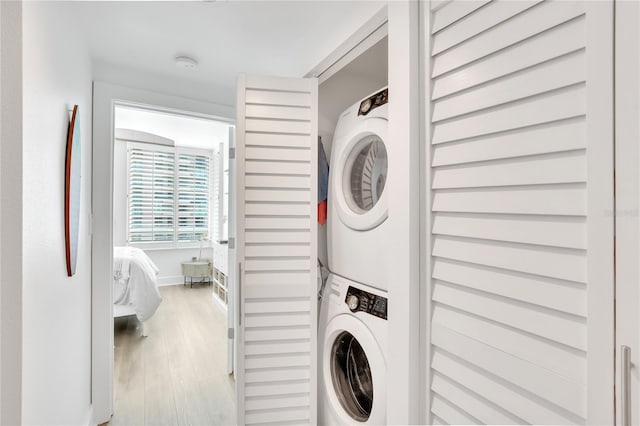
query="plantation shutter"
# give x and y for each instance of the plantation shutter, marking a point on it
(276, 214)
(151, 195)
(193, 196)
(519, 129)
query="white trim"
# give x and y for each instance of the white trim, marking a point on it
(374, 30)
(232, 317)
(403, 405)
(313, 261)
(239, 249)
(600, 226)
(426, 221)
(106, 96)
(627, 213)
(88, 419)
(171, 280)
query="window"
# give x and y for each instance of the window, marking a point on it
(223, 195)
(193, 197)
(168, 198)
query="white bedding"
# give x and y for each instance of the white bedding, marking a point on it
(135, 281)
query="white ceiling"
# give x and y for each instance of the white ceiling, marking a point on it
(226, 37)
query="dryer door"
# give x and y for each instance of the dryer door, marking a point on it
(360, 176)
(354, 372)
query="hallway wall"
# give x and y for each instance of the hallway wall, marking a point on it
(56, 308)
(10, 212)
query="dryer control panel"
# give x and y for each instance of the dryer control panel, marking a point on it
(362, 301)
(373, 102)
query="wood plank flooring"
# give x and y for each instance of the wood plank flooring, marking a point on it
(177, 375)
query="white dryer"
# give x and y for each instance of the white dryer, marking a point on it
(357, 238)
(352, 338)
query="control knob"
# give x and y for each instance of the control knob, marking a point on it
(365, 106)
(353, 301)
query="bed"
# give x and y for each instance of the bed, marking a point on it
(135, 284)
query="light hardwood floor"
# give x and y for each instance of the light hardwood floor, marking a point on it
(177, 375)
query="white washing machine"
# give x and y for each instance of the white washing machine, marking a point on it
(352, 338)
(357, 238)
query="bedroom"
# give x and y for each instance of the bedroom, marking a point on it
(170, 231)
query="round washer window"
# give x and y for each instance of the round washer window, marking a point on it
(365, 174)
(351, 376)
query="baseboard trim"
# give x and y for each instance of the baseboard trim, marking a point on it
(170, 280)
(89, 420)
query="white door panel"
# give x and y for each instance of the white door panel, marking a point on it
(519, 143)
(276, 250)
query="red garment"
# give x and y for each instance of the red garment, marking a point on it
(322, 212)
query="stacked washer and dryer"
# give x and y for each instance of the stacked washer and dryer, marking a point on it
(352, 333)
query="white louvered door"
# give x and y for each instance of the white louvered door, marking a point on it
(519, 139)
(276, 216)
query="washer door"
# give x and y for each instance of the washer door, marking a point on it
(354, 372)
(360, 176)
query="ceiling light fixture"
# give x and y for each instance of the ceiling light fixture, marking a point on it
(186, 62)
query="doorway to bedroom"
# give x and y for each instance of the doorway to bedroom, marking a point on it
(172, 356)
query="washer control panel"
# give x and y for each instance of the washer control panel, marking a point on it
(362, 301)
(373, 102)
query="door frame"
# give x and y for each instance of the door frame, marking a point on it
(372, 31)
(105, 97)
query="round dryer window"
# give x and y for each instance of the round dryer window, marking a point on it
(351, 376)
(365, 174)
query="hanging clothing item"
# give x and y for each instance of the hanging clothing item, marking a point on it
(323, 183)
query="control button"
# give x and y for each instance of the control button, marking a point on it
(365, 106)
(353, 302)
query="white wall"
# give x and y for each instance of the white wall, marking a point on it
(131, 77)
(56, 308)
(10, 212)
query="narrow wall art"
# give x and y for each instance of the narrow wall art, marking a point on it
(73, 165)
